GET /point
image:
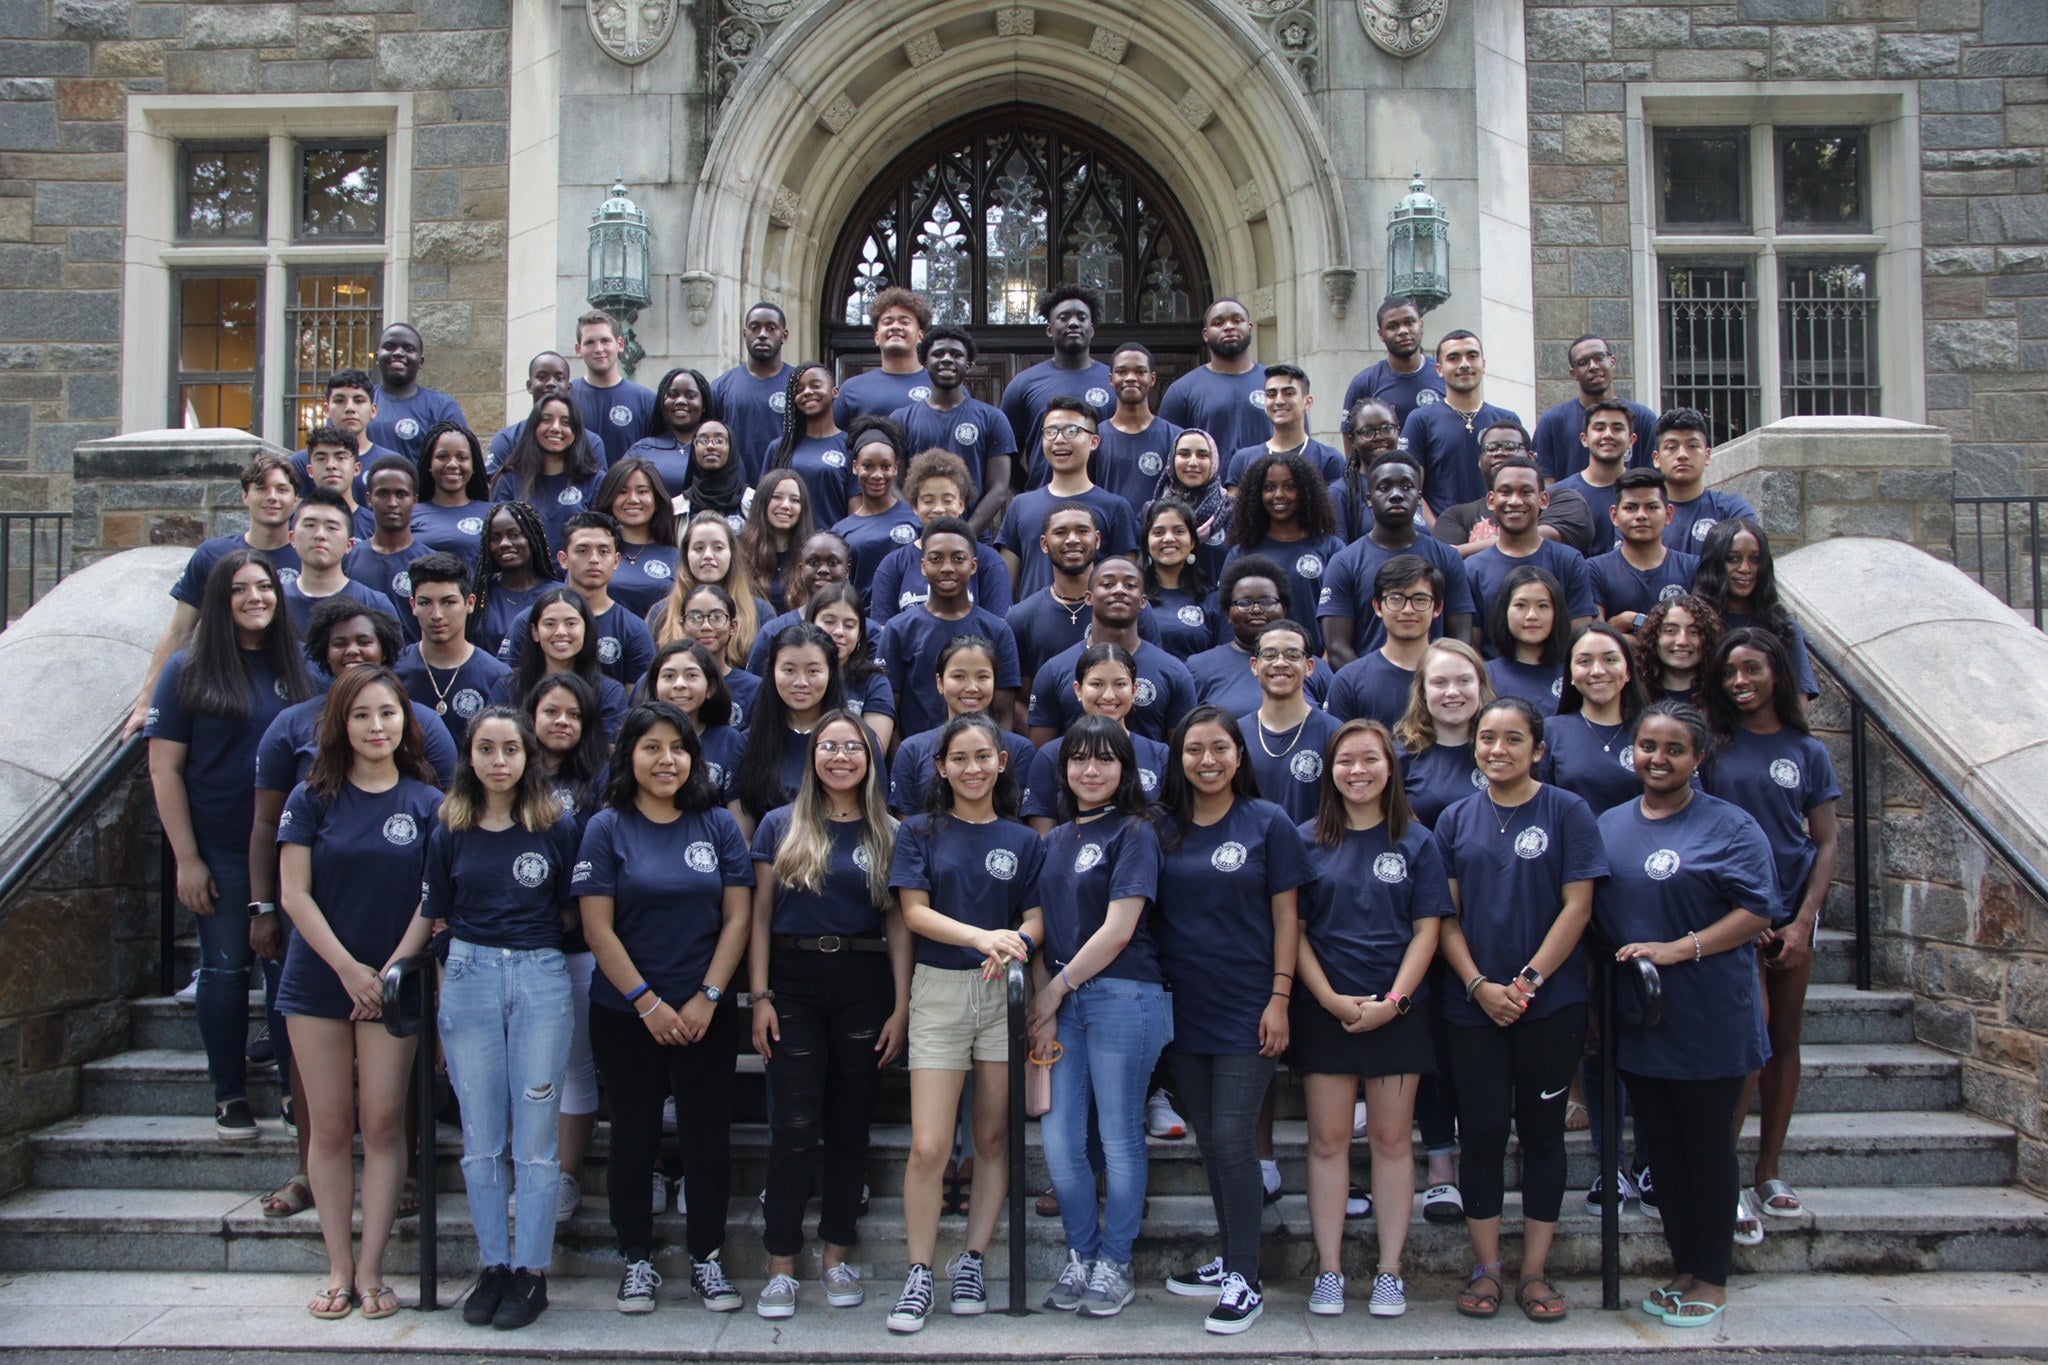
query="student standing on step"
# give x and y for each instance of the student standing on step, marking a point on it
(207, 713)
(800, 684)
(1369, 935)
(772, 540)
(1100, 1007)
(1690, 891)
(591, 547)
(685, 675)
(444, 671)
(1069, 440)
(405, 407)
(559, 637)
(1228, 933)
(812, 443)
(1515, 498)
(1683, 447)
(516, 568)
(1523, 858)
(1407, 379)
(1137, 447)
(1471, 526)
(1175, 587)
(352, 848)
(836, 611)
(1444, 436)
(456, 493)
(1606, 439)
(1165, 688)
(1530, 635)
(1370, 429)
(751, 394)
(953, 420)
(349, 409)
(1391, 487)
(1195, 476)
(1557, 444)
(547, 374)
(935, 485)
(966, 872)
(711, 555)
(878, 519)
(1287, 403)
(331, 463)
(910, 646)
(1768, 763)
(1225, 395)
(682, 404)
(901, 316)
(382, 561)
(1105, 679)
(967, 684)
(1407, 602)
(1283, 514)
(1641, 570)
(830, 967)
(662, 881)
(321, 537)
(1677, 637)
(1288, 731)
(1070, 312)
(551, 468)
(615, 410)
(1738, 575)
(497, 878)
(634, 495)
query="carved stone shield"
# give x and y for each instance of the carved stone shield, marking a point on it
(631, 31)
(1403, 27)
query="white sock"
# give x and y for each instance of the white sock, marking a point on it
(1270, 1170)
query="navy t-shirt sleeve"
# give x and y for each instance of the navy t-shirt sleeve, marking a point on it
(597, 860)
(1585, 856)
(1137, 859)
(277, 760)
(735, 863)
(1287, 860)
(437, 892)
(300, 821)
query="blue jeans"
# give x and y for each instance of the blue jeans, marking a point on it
(505, 1025)
(1111, 1032)
(224, 958)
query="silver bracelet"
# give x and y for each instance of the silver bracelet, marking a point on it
(650, 1009)
(1695, 944)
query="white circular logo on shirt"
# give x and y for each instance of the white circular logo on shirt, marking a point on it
(856, 705)
(717, 773)
(621, 415)
(401, 830)
(834, 458)
(1306, 766)
(1089, 856)
(1425, 397)
(1149, 462)
(658, 568)
(570, 497)
(903, 534)
(1146, 693)
(1001, 864)
(920, 393)
(1532, 842)
(401, 584)
(607, 649)
(406, 428)
(1190, 615)
(1217, 536)
(529, 869)
(1228, 857)
(279, 688)
(467, 702)
(1478, 778)
(471, 526)
(1390, 867)
(701, 857)
(1628, 757)
(1701, 527)
(1257, 398)
(1785, 772)
(1557, 687)
(1660, 866)
(739, 715)
(778, 402)
(1097, 397)
(287, 576)
(860, 856)
(736, 520)
(967, 433)
(1309, 566)
(568, 800)
(1148, 781)
(1672, 591)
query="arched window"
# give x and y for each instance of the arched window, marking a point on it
(983, 216)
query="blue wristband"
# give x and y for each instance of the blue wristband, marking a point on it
(635, 995)
(1029, 946)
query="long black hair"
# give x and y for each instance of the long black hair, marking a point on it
(1100, 737)
(794, 422)
(579, 768)
(535, 533)
(478, 489)
(1634, 696)
(695, 796)
(939, 799)
(716, 708)
(661, 529)
(1786, 700)
(1501, 638)
(529, 661)
(527, 462)
(862, 665)
(657, 425)
(1192, 578)
(1711, 580)
(1250, 525)
(1177, 794)
(217, 679)
(760, 775)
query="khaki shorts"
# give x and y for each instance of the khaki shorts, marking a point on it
(957, 1019)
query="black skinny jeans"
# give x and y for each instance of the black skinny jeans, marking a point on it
(823, 1076)
(1519, 1073)
(639, 1074)
(1690, 1129)
(1220, 1097)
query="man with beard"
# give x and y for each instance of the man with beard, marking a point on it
(900, 319)
(1407, 379)
(1445, 436)
(1165, 690)
(1557, 445)
(406, 407)
(952, 419)
(1137, 447)
(615, 411)
(1070, 312)
(1054, 617)
(751, 395)
(1515, 498)
(1393, 489)
(1226, 397)
(547, 375)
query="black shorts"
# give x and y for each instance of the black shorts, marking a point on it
(1319, 1046)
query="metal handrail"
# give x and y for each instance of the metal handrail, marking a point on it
(34, 520)
(400, 1022)
(1020, 1053)
(29, 860)
(1650, 1013)
(2003, 531)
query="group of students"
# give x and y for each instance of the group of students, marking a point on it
(632, 739)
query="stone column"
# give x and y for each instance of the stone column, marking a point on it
(158, 488)
(1814, 478)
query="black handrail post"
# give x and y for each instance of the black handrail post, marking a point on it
(1861, 776)
(1609, 1137)
(1020, 1057)
(399, 1024)
(166, 916)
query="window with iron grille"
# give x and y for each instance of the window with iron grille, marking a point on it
(1827, 338)
(331, 323)
(1708, 311)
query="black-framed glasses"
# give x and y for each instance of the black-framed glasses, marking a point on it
(1400, 601)
(1503, 447)
(1255, 603)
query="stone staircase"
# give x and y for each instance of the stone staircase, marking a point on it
(1895, 1176)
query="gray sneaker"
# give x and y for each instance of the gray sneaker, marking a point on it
(1071, 1285)
(842, 1286)
(1110, 1290)
(778, 1297)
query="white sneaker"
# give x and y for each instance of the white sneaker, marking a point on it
(568, 1198)
(658, 1201)
(1358, 1119)
(190, 995)
(668, 1116)
(1161, 1121)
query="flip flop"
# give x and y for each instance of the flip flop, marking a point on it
(1678, 1317)
(371, 1302)
(1658, 1302)
(1443, 1204)
(331, 1303)
(1545, 1308)
(1577, 1119)
(283, 1203)
(1749, 1227)
(1771, 1190)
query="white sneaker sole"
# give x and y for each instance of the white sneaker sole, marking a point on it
(731, 1305)
(634, 1306)
(854, 1300)
(1091, 1310)
(905, 1326)
(1384, 1310)
(1207, 1291)
(1327, 1310)
(968, 1308)
(1231, 1329)
(775, 1310)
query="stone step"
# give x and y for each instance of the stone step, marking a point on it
(1849, 1229)
(1822, 1150)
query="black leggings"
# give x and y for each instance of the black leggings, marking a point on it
(1521, 1072)
(1690, 1129)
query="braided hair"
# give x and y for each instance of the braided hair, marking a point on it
(487, 571)
(793, 421)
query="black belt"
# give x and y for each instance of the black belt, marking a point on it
(831, 943)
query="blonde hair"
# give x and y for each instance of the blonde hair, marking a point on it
(1417, 728)
(806, 847)
(667, 621)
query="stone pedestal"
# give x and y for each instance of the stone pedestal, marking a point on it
(175, 487)
(1815, 478)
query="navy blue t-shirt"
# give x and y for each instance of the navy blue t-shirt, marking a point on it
(983, 875)
(744, 687)
(191, 584)
(751, 409)
(1556, 439)
(1024, 522)
(502, 888)
(1402, 392)
(400, 423)
(369, 849)
(1438, 778)
(285, 754)
(841, 904)
(1043, 628)
(458, 531)
(1619, 586)
(1802, 666)
(611, 700)
(772, 626)
(1595, 763)
(389, 573)
(1779, 779)
(300, 607)
(1511, 889)
(975, 431)
(1129, 464)
(625, 647)
(912, 773)
(1164, 691)
(1348, 586)
(1042, 797)
(1306, 563)
(871, 696)
(504, 614)
(1599, 507)
(900, 582)
(1187, 624)
(1485, 571)
(1025, 397)
(1288, 764)
(1369, 891)
(1690, 521)
(1671, 877)
(1327, 461)
(220, 751)
(667, 884)
(1215, 923)
(454, 696)
(910, 648)
(1372, 687)
(1437, 435)
(670, 458)
(723, 745)
(500, 448)
(1223, 677)
(1538, 684)
(1230, 407)
(873, 538)
(617, 416)
(554, 496)
(645, 576)
(821, 462)
(877, 393)
(1087, 866)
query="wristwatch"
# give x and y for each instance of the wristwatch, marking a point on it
(262, 908)
(1400, 1002)
(1532, 976)
(712, 993)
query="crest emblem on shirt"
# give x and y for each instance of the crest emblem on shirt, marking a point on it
(739, 716)
(860, 857)
(1146, 693)
(701, 857)
(1701, 527)
(737, 520)
(657, 568)
(1306, 765)
(467, 702)
(856, 705)
(1228, 857)
(1149, 463)
(1532, 842)
(1424, 397)
(401, 829)
(1628, 757)
(903, 534)
(581, 872)
(1785, 772)
(621, 415)
(1309, 566)
(1148, 781)
(834, 458)
(568, 800)
(1000, 864)
(1557, 687)
(1661, 865)
(967, 433)
(471, 526)
(406, 428)
(570, 496)
(1390, 867)
(1217, 536)
(279, 688)
(1257, 398)
(1478, 778)
(607, 649)
(291, 576)
(1672, 592)
(1097, 397)
(1088, 856)
(920, 393)
(778, 402)
(1189, 615)
(529, 869)
(401, 584)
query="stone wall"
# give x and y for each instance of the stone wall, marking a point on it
(158, 488)
(69, 67)
(1811, 478)
(1981, 70)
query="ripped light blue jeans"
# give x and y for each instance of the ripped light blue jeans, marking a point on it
(505, 1028)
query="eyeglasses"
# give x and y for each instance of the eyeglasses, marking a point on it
(1274, 656)
(707, 618)
(1594, 358)
(1503, 447)
(832, 748)
(1255, 603)
(1069, 430)
(1399, 601)
(1382, 429)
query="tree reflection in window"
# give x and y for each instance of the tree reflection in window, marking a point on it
(342, 191)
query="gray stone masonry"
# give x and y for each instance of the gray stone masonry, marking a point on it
(158, 488)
